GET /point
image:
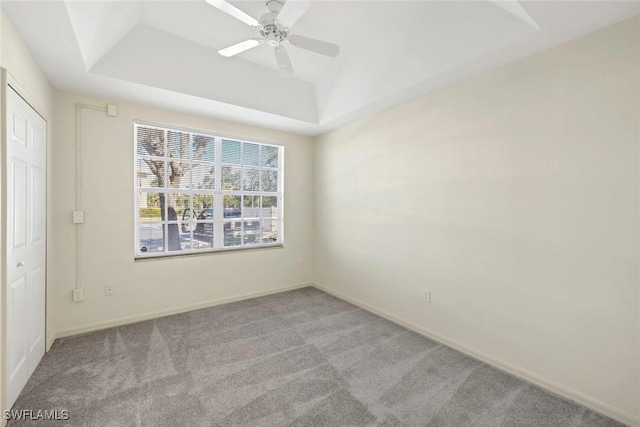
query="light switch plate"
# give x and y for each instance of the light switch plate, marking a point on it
(426, 296)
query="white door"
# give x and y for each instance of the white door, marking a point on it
(26, 222)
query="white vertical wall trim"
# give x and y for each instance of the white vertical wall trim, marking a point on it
(78, 205)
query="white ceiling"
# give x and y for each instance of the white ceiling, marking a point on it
(164, 52)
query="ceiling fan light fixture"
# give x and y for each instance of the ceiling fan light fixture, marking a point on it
(274, 6)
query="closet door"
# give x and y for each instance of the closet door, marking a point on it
(26, 241)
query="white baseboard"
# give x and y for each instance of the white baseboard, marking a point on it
(161, 313)
(516, 371)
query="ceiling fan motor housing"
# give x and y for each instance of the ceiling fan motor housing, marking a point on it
(273, 34)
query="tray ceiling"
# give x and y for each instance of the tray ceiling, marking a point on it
(164, 53)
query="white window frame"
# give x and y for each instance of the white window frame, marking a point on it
(218, 194)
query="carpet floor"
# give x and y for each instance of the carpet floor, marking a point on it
(298, 358)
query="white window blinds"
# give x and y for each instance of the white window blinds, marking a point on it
(197, 192)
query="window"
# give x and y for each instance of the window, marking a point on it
(197, 192)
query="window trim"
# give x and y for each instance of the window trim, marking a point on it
(218, 193)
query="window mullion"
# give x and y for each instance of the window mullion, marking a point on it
(191, 217)
(280, 184)
(241, 193)
(218, 199)
(166, 191)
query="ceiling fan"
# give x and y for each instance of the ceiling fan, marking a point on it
(274, 28)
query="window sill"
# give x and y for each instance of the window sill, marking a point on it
(157, 257)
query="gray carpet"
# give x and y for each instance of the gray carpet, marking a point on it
(299, 358)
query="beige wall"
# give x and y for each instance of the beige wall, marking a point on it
(148, 288)
(514, 198)
(21, 64)
(29, 80)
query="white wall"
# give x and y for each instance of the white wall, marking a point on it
(514, 198)
(149, 288)
(33, 85)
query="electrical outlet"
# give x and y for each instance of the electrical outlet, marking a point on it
(426, 296)
(78, 295)
(78, 217)
(109, 291)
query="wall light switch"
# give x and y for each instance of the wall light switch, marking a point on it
(78, 295)
(78, 217)
(426, 296)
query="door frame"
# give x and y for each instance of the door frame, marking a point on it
(6, 80)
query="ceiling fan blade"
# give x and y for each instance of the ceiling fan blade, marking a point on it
(317, 46)
(234, 11)
(292, 11)
(282, 58)
(240, 47)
